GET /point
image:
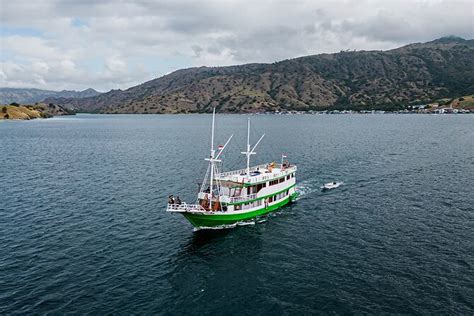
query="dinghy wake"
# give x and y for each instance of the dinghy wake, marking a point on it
(306, 188)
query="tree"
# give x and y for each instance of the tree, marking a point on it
(4, 109)
(14, 104)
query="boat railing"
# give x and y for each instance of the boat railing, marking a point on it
(244, 171)
(264, 176)
(271, 176)
(183, 207)
(241, 171)
(228, 199)
(237, 199)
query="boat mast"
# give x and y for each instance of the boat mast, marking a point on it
(248, 147)
(213, 158)
(212, 153)
(250, 151)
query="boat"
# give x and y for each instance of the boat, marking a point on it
(233, 197)
(330, 185)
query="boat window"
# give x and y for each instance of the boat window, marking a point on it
(282, 179)
(288, 177)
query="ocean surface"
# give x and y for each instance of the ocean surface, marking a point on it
(83, 227)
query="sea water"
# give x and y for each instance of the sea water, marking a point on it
(83, 227)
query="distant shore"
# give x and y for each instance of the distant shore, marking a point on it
(16, 111)
(462, 105)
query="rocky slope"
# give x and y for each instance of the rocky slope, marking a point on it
(29, 112)
(465, 102)
(419, 72)
(28, 96)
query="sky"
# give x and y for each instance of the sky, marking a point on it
(105, 44)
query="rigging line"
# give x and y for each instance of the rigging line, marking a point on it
(219, 190)
(222, 162)
(218, 185)
(204, 182)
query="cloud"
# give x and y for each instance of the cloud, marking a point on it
(115, 65)
(74, 44)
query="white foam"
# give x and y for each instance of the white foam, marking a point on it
(328, 186)
(306, 187)
(225, 226)
(245, 223)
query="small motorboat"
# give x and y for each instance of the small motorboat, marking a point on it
(330, 185)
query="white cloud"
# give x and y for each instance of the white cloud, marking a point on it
(115, 44)
(115, 65)
(29, 47)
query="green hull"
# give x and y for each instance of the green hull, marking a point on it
(198, 220)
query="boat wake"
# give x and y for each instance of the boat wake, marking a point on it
(225, 226)
(307, 187)
(257, 220)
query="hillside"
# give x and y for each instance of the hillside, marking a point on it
(28, 112)
(465, 102)
(28, 96)
(420, 72)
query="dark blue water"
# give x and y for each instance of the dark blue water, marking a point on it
(83, 226)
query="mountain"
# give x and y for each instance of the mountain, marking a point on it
(24, 95)
(419, 72)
